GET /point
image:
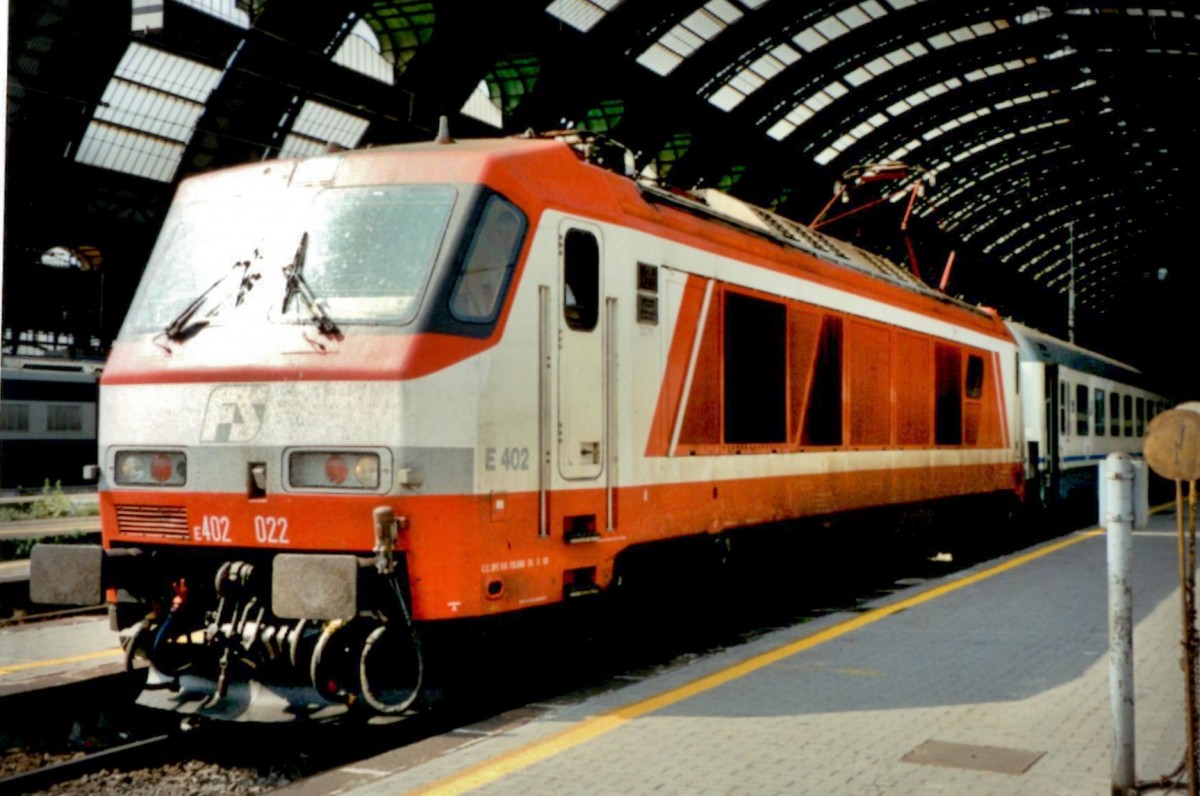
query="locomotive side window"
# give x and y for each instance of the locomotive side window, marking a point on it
(948, 400)
(823, 416)
(1099, 412)
(972, 403)
(974, 388)
(755, 370)
(1128, 415)
(1114, 415)
(489, 262)
(581, 275)
(1081, 409)
(1141, 417)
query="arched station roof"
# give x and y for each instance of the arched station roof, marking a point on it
(1049, 138)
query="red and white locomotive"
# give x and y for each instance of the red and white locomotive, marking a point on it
(369, 392)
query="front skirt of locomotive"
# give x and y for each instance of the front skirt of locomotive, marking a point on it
(302, 671)
(333, 634)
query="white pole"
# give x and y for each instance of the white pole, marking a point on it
(1118, 481)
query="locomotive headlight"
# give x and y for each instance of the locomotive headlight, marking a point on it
(336, 469)
(333, 469)
(366, 470)
(151, 468)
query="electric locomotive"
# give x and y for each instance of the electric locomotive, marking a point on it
(376, 392)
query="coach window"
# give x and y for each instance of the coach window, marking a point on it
(1099, 412)
(489, 262)
(1114, 415)
(1062, 407)
(948, 384)
(1081, 410)
(14, 417)
(823, 416)
(581, 277)
(64, 418)
(1128, 415)
(1141, 416)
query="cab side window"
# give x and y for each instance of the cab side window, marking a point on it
(489, 262)
(581, 280)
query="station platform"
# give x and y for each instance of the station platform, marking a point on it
(993, 681)
(48, 654)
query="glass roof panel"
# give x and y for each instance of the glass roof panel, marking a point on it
(724, 10)
(227, 10)
(857, 77)
(324, 125)
(831, 27)
(785, 54)
(581, 14)
(166, 72)
(361, 52)
(510, 80)
(781, 129)
(701, 26)
(603, 118)
(128, 151)
(853, 17)
(918, 97)
(480, 106)
(880, 65)
(139, 108)
(671, 152)
(401, 28)
(149, 111)
(658, 58)
(810, 39)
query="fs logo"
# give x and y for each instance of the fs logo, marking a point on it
(234, 413)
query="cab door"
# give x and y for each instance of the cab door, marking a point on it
(581, 388)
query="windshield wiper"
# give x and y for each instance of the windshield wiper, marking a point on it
(182, 328)
(298, 285)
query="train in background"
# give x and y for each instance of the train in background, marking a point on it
(412, 387)
(1078, 406)
(47, 420)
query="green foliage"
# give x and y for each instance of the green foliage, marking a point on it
(19, 549)
(52, 503)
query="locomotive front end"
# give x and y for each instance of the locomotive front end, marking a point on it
(270, 427)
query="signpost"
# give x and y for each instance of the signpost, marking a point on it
(1173, 451)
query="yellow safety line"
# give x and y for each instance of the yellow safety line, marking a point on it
(491, 770)
(90, 656)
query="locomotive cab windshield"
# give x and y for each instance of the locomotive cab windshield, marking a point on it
(346, 255)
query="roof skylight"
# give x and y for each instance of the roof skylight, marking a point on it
(227, 10)
(581, 14)
(147, 114)
(911, 101)
(882, 64)
(318, 125)
(360, 51)
(697, 29)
